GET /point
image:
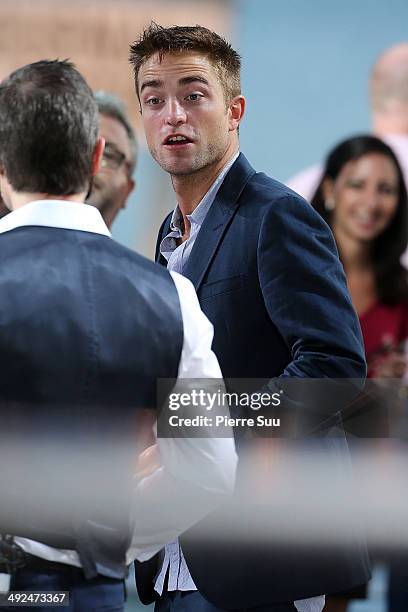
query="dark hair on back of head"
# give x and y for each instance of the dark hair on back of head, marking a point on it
(387, 249)
(48, 128)
(157, 39)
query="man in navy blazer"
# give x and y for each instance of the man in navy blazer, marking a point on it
(267, 275)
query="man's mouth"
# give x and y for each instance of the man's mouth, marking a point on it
(177, 140)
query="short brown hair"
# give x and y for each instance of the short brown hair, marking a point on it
(48, 128)
(157, 39)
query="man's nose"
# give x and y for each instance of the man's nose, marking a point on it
(176, 114)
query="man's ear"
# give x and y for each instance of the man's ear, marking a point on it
(97, 156)
(236, 110)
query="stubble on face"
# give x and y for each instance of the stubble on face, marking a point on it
(201, 162)
(204, 122)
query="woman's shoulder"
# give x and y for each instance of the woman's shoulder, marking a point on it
(384, 324)
(380, 309)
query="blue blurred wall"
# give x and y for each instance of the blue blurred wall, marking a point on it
(305, 69)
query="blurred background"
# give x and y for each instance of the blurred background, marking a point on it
(305, 76)
(305, 70)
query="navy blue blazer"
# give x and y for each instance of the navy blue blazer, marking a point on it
(267, 274)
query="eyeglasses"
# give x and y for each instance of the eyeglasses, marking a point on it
(112, 158)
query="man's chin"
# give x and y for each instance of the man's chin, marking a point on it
(180, 168)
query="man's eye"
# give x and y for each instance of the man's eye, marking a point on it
(153, 101)
(194, 96)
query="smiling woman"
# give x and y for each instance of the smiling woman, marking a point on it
(363, 197)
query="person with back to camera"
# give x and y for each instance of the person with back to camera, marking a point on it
(87, 327)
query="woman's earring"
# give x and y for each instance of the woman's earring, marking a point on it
(329, 204)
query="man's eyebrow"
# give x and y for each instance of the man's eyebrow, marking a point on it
(192, 79)
(183, 81)
(152, 83)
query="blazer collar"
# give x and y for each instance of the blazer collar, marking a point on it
(217, 220)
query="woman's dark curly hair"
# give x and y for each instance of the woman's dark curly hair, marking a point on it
(390, 275)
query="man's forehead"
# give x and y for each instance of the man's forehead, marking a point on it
(175, 66)
(112, 130)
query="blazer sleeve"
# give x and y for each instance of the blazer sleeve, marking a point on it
(305, 293)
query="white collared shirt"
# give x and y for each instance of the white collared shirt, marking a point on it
(177, 255)
(216, 457)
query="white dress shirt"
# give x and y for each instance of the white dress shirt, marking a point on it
(189, 467)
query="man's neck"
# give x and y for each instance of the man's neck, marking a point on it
(190, 189)
(21, 198)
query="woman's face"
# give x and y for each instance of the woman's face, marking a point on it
(365, 196)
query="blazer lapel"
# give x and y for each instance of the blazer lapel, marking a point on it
(163, 231)
(218, 218)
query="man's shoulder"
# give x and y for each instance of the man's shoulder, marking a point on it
(266, 193)
(270, 186)
(257, 186)
(267, 203)
(125, 255)
(48, 242)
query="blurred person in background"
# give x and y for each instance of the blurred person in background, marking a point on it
(389, 112)
(362, 196)
(114, 182)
